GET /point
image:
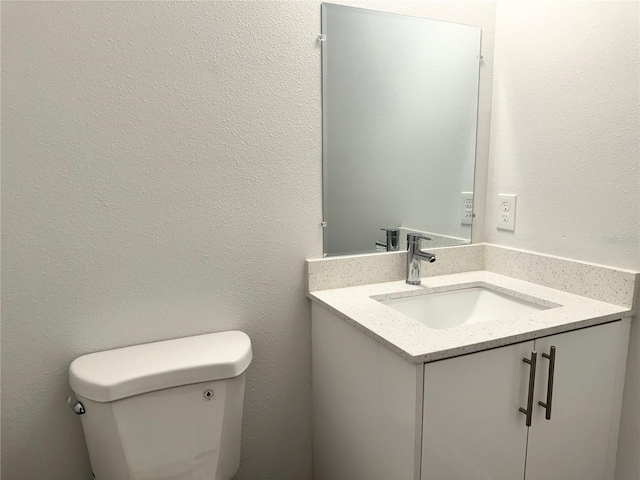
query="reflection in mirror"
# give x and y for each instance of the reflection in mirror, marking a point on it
(400, 103)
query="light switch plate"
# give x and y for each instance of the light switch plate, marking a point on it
(506, 212)
(466, 213)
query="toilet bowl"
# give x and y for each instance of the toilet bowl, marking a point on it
(168, 410)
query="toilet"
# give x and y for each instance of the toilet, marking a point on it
(168, 410)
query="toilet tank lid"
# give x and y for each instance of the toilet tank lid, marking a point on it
(124, 372)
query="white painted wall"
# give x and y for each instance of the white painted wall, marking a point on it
(564, 138)
(161, 177)
(565, 129)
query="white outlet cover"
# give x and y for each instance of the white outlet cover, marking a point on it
(466, 213)
(506, 212)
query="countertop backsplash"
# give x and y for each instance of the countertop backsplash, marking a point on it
(598, 282)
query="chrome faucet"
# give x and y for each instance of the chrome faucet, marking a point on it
(414, 255)
(393, 235)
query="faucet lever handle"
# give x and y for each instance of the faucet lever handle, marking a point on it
(416, 237)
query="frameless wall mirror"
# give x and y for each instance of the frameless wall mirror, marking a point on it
(400, 108)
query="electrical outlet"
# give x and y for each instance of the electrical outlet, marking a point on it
(506, 212)
(466, 215)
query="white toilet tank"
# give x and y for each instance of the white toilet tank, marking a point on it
(168, 410)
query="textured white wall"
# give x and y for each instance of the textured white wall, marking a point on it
(161, 177)
(564, 138)
(565, 129)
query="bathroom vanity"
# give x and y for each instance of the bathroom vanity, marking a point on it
(503, 364)
(526, 383)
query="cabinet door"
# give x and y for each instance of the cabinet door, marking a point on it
(574, 443)
(472, 428)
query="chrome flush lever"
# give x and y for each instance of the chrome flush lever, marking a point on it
(76, 406)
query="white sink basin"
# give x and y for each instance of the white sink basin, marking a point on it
(461, 307)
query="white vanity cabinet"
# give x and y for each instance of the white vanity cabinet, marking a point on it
(472, 426)
(377, 416)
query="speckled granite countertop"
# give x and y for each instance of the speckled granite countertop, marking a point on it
(418, 343)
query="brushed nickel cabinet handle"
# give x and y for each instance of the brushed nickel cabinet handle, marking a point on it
(552, 367)
(532, 382)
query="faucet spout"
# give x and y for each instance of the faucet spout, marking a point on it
(421, 254)
(414, 255)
